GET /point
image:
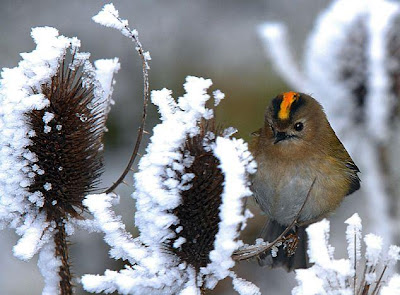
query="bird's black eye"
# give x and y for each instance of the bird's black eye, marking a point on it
(298, 126)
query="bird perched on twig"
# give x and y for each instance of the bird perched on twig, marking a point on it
(298, 154)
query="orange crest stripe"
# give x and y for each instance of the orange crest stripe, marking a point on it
(287, 100)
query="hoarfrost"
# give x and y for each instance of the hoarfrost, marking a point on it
(331, 276)
(20, 94)
(159, 184)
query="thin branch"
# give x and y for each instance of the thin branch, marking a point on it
(255, 250)
(378, 283)
(146, 94)
(367, 269)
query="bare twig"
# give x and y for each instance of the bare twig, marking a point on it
(146, 93)
(255, 250)
(378, 283)
(367, 269)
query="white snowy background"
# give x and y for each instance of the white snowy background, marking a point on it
(213, 39)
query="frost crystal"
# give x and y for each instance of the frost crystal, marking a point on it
(330, 276)
(218, 96)
(108, 17)
(353, 237)
(374, 249)
(162, 258)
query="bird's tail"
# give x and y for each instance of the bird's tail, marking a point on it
(299, 259)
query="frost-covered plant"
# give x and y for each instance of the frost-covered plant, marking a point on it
(363, 273)
(109, 17)
(190, 195)
(52, 119)
(352, 65)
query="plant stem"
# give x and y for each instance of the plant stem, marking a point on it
(146, 95)
(61, 252)
(375, 291)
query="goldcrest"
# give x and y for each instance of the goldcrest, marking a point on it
(298, 153)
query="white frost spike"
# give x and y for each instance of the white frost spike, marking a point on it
(244, 287)
(49, 267)
(218, 96)
(121, 242)
(147, 55)
(105, 70)
(48, 117)
(33, 237)
(374, 249)
(393, 255)
(233, 166)
(109, 17)
(318, 250)
(353, 237)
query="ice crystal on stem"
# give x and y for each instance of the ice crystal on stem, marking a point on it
(190, 192)
(330, 276)
(52, 119)
(351, 65)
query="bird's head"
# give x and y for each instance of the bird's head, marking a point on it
(294, 118)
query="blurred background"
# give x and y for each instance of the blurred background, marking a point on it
(212, 39)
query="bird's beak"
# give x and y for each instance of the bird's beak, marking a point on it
(279, 136)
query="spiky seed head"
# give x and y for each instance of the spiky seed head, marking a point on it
(199, 210)
(67, 140)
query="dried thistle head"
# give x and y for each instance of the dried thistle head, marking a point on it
(67, 140)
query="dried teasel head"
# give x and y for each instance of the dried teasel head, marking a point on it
(54, 105)
(199, 210)
(67, 140)
(190, 192)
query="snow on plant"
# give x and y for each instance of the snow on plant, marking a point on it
(330, 276)
(109, 17)
(352, 66)
(190, 194)
(52, 119)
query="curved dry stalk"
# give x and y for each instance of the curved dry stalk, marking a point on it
(255, 250)
(146, 95)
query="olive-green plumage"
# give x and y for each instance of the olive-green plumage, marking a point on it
(296, 146)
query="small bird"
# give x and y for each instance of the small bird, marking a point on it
(298, 155)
